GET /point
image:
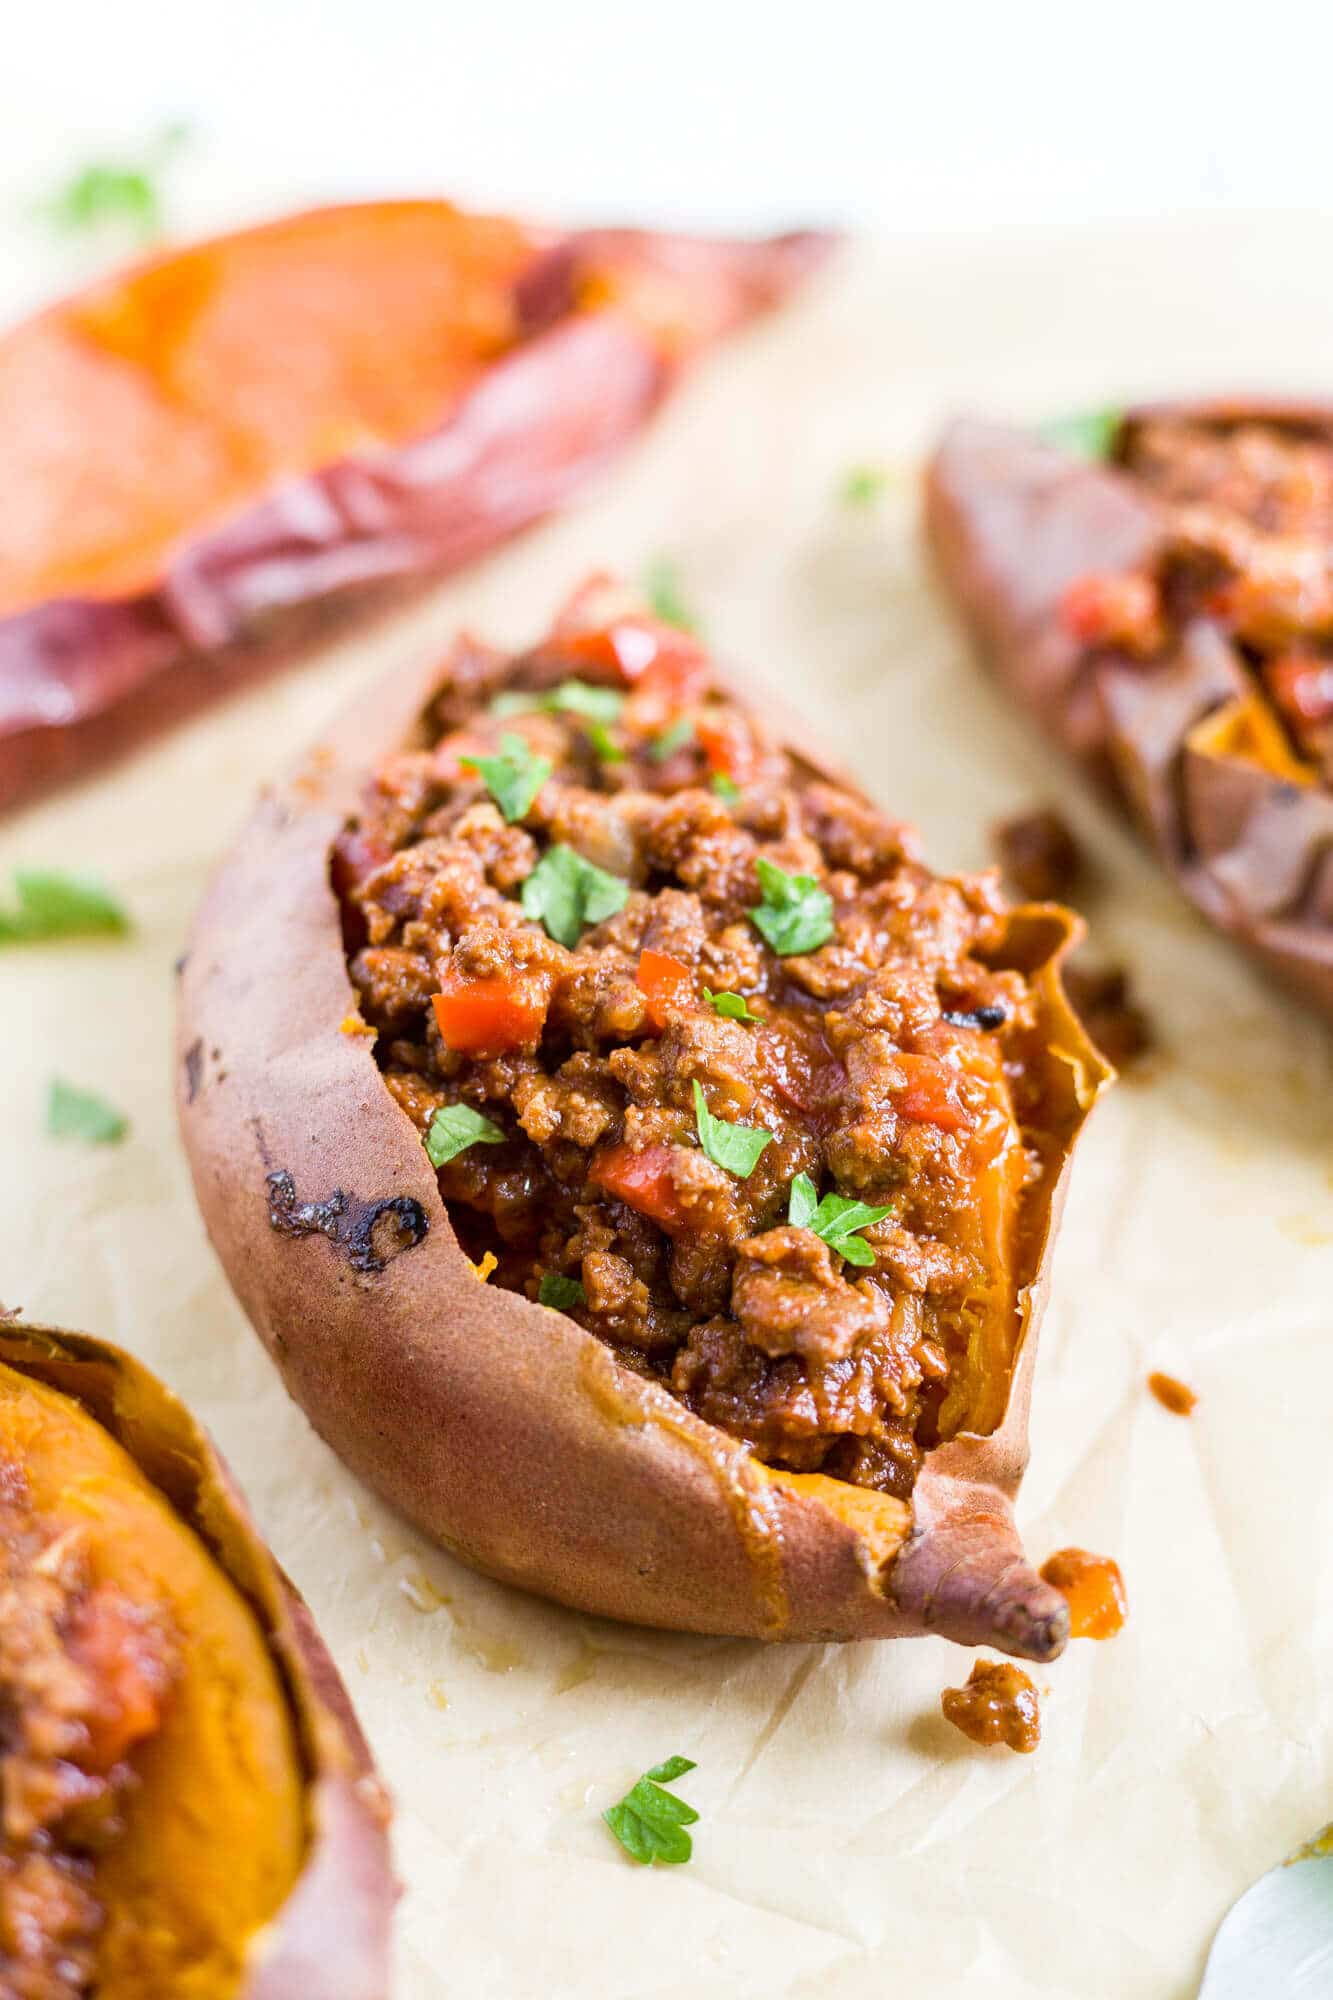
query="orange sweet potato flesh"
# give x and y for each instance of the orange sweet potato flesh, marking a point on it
(199, 450)
(252, 1861)
(501, 1427)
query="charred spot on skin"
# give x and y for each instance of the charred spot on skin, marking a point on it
(194, 1069)
(369, 1234)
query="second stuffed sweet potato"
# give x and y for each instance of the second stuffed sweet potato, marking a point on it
(641, 1167)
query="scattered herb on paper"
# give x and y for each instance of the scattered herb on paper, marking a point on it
(48, 904)
(650, 1822)
(81, 1114)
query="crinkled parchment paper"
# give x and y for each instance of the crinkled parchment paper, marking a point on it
(850, 1842)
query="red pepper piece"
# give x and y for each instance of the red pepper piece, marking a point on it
(487, 1016)
(642, 1180)
(664, 982)
(930, 1095)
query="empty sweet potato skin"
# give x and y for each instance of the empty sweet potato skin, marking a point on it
(1012, 521)
(212, 454)
(500, 1427)
(330, 1938)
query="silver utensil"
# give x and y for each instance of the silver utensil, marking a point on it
(1276, 1941)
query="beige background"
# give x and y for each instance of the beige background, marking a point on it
(850, 1843)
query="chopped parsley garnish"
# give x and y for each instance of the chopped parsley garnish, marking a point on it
(649, 1822)
(735, 1147)
(561, 1292)
(598, 704)
(49, 905)
(834, 1218)
(454, 1128)
(80, 1114)
(661, 587)
(604, 744)
(1089, 433)
(862, 485)
(672, 739)
(796, 915)
(113, 191)
(726, 788)
(565, 893)
(731, 1005)
(514, 778)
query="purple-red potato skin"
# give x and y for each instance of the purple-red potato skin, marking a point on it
(1012, 521)
(83, 678)
(500, 1427)
(331, 1938)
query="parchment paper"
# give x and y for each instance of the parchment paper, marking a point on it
(850, 1844)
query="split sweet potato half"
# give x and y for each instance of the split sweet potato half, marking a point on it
(1165, 607)
(190, 1808)
(742, 1421)
(199, 454)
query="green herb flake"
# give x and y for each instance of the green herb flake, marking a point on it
(796, 915)
(561, 1292)
(81, 1114)
(597, 704)
(726, 788)
(650, 1822)
(454, 1128)
(565, 893)
(730, 1005)
(735, 1147)
(604, 744)
(1087, 433)
(114, 192)
(514, 778)
(675, 738)
(50, 905)
(862, 485)
(661, 587)
(835, 1219)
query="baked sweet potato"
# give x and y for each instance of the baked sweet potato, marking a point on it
(1167, 611)
(195, 451)
(190, 1812)
(641, 1168)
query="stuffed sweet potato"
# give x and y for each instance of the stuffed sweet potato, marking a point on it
(1166, 608)
(199, 455)
(641, 1167)
(189, 1812)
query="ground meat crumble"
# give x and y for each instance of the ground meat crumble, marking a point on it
(886, 1060)
(83, 1676)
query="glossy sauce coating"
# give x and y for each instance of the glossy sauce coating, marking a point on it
(1094, 1590)
(1175, 1396)
(998, 1705)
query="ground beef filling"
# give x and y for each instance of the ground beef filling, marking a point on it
(83, 1676)
(1251, 547)
(885, 1059)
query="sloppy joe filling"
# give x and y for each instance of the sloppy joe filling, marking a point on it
(705, 1055)
(1250, 546)
(84, 1673)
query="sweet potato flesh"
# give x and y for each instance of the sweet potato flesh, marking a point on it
(772, 1117)
(151, 1789)
(163, 402)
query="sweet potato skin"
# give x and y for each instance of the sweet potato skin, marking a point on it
(564, 347)
(1011, 522)
(330, 1940)
(500, 1427)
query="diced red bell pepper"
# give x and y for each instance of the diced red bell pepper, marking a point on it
(930, 1094)
(728, 746)
(486, 1016)
(1112, 610)
(664, 982)
(642, 1180)
(801, 1066)
(1302, 686)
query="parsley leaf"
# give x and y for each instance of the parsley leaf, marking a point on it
(566, 893)
(731, 1005)
(79, 1114)
(671, 740)
(661, 587)
(113, 191)
(649, 1822)
(598, 704)
(514, 778)
(796, 915)
(561, 1292)
(1088, 433)
(49, 905)
(726, 788)
(834, 1218)
(454, 1128)
(735, 1147)
(604, 744)
(862, 485)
